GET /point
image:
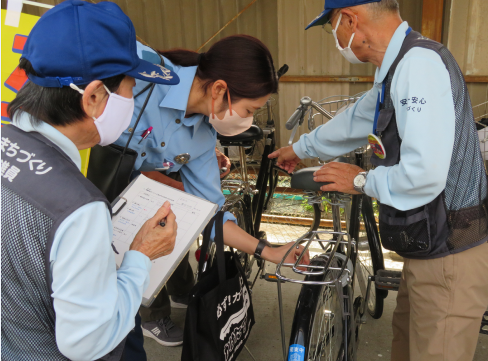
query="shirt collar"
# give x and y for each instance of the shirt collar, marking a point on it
(392, 51)
(177, 97)
(24, 123)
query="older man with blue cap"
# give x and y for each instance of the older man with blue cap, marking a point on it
(429, 176)
(62, 296)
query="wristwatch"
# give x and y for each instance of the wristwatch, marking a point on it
(360, 181)
(259, 249)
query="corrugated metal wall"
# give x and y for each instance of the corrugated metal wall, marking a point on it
(467, 38)
(188, 24)
(313, 52)
(280, 24)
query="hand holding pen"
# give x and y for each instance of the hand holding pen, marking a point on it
(154, 241)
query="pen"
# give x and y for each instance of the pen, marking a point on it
(145, 134)
(163, 223)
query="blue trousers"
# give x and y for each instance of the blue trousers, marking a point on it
(134, 345)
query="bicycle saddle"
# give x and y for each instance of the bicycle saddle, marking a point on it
(244, 138)
(303, 178)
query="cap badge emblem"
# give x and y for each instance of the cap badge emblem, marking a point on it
(166, 73)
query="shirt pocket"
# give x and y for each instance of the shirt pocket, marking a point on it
(407, 232)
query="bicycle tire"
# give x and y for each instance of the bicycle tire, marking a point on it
(370, 259)
(317, 323)
(239, 210)
(286, 215)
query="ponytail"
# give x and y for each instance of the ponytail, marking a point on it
(242, 61)
(182, 57)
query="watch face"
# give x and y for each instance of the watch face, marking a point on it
(359, 180)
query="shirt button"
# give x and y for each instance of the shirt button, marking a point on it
(130, 130)
(143, 154)
(178, 121)
(163, 144)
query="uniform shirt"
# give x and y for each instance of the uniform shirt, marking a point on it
(173, 134)
(422, 98)
(95, 304)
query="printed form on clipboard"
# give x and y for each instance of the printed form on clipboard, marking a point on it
(139, 202)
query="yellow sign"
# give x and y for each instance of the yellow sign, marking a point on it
(13, 41)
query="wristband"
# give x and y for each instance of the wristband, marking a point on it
(260, 247)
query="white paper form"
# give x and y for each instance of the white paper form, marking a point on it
(144, 197)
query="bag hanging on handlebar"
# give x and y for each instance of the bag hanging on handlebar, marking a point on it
(219, 316)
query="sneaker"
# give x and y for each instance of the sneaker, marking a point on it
(164, 331)
(179, 301)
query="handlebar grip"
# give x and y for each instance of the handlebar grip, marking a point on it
(295, 117)
(282, 71)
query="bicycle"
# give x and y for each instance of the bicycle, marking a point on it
(248, 205)
(258, 192)
(328, 316)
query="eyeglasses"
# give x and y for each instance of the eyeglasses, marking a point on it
(328, 27)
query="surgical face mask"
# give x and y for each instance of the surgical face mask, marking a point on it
(115, 117)
(346, 52)
(232, 124)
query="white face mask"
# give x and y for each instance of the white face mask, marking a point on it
(115, 117)
(346, 52)
(232, 124)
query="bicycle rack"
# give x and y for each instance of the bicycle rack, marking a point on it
(338, 238)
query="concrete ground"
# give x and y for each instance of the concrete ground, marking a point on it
(265, 339)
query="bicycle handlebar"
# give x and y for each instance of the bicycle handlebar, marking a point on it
(282, 71)
(295, 117)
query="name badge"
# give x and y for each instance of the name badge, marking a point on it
(377, 146)
(183, 158)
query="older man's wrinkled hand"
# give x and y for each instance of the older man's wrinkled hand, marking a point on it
(156, 241)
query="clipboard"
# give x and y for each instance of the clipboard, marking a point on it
(139, 202)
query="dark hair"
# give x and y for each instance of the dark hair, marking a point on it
(242, 61)
(55, 106)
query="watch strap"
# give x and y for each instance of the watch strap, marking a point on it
(260, 247)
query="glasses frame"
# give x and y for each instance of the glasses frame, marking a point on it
(328, 27)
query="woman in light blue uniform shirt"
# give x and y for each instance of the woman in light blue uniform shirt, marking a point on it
(218, 92)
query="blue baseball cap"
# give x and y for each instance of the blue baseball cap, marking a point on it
(78, 42)
(336, 4)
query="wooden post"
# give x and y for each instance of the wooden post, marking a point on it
(432, 15)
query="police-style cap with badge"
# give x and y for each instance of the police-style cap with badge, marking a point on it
(324, 17)
(77, 42)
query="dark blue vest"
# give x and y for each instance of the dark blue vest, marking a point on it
(457, 219)
(41, 186)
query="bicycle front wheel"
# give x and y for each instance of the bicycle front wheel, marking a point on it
(370, 260)
(317, 322)
(242, 214)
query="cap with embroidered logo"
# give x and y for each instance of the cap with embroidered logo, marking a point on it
(78, 42)
(330, 5)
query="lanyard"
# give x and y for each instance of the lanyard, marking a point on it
(377, 111)
(382, 99)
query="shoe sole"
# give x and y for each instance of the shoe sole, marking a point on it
(149, 334)
(177, 305)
